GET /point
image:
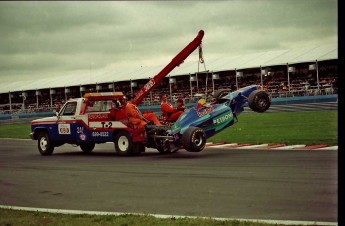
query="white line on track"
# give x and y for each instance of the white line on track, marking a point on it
(291, 146)
(331, 148)
(61, 211)
(253, 146)
(223, 145)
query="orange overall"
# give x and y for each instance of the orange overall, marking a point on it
(136, 118)
(169, 112)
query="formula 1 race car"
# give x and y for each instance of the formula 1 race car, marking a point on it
(204, 120)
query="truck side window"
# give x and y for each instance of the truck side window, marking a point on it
(99, 106)
(70, 108)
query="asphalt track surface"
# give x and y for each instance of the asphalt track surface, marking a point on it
(297, 185)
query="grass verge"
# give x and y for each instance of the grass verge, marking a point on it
(20, 217)
(319, 127)
(20, 131)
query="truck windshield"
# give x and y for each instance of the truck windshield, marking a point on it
(69, 108)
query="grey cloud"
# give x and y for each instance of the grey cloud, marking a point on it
(41, 37)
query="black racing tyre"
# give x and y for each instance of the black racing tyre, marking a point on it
(193, 139)
(221, 93)
(259, 101)
(138, 148)
(45, 146)
(123, 143)
(87, 147)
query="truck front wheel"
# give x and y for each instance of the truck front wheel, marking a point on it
(123, 143)
(45, 146)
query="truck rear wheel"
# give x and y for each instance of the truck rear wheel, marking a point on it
(45, 146)
(123, 143)
(193, 139)
(87, 147)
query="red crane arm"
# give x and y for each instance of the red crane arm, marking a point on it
(176, 61)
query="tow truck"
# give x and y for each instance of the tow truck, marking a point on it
(97, 118)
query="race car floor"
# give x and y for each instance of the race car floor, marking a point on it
(272, 146)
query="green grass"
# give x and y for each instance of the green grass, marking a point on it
(20, 131)
(289, 128)
(19, 217)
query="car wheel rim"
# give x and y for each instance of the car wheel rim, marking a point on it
(198, 140)
(43, 143)
(123, 143)
(262, 103)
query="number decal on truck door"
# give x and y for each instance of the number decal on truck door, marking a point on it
(64, 128)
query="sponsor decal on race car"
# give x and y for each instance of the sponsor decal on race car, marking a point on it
(223, 118)
(64, 128)
(204, 111)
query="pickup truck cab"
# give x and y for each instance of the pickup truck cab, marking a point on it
(96, 118)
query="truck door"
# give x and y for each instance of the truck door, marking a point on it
(66, 123)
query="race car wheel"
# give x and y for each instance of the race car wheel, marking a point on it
(123, 143)
(221, 93)
(138, 148)
(164, 147)
(259, 101)
(45, 146)
(87, 147)
(193, 139)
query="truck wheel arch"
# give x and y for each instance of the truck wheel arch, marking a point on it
(39, 130)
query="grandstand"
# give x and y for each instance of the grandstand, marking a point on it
(307, 71)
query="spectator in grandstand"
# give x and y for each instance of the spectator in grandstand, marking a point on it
(180, 105)
(170, 113)
(136, 117)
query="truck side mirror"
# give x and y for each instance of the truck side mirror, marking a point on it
(57, 115)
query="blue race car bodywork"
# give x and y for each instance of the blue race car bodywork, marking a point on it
(216, 116)
(197, 124)
(212, 119)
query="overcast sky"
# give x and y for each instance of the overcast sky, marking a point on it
(40, 39)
